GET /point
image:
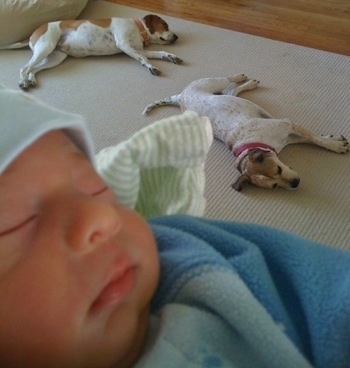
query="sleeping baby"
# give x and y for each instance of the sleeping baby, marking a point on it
(106, 259)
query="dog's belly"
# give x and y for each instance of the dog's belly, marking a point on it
(83, 43)
(227, 114)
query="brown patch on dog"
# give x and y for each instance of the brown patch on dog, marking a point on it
(155, 23)
(104, 23)
(70, 24)
(38, 33)
(259, 163)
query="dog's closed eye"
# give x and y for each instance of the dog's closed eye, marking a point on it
(279, 170)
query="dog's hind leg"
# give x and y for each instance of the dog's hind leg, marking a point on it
(54, 59)
(25, 75)
(247, 86)
(42, 46)
(172, 100)
(234, 90)
(238, 78)
(217, 86)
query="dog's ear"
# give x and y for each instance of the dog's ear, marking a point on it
(150, 21)
(155, 23)
(237, 185)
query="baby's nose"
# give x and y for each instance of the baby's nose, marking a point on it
(93, 224)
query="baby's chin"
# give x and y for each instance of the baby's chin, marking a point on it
(132, 355)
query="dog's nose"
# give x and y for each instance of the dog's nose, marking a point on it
(175, 37)
(295, 183)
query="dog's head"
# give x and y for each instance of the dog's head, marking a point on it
(264, 169)
(159, 30)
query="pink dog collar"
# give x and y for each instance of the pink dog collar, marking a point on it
(244, 147)
(143, 31)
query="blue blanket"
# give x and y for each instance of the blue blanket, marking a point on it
(243, 295)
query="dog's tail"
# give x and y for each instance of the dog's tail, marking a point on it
(172, 100)
(16, 45)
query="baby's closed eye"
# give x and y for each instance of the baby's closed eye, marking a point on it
(17, 225)
(100, 191)
(15, 237)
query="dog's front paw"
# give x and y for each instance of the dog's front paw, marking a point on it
(155, 71)
(177, 60)
(338, 143)
(173, 58)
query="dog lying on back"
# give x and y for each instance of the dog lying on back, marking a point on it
(251, 133)
(52, 42)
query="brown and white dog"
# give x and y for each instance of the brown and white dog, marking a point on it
(250, 132)
(52, 42)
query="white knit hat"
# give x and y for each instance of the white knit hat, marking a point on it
(24, 119)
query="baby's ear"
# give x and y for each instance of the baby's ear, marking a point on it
(237, 185)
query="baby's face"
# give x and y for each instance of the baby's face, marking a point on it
(77, 269)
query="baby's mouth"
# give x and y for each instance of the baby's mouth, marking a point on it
(116, 289)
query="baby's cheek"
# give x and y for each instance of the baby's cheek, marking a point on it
(139, 241)
(32, 334)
